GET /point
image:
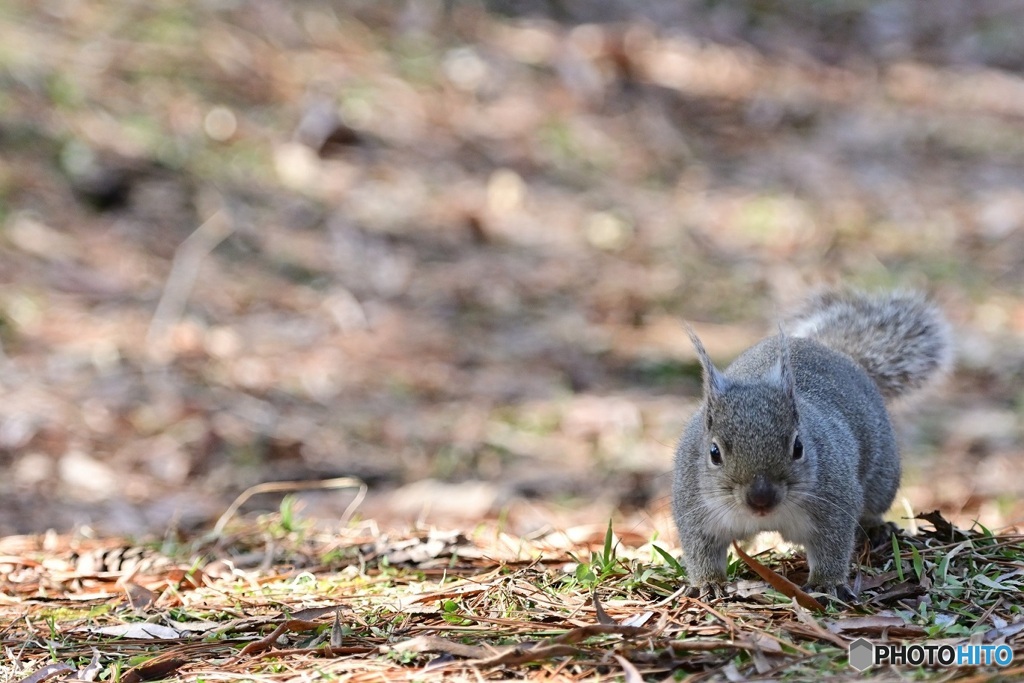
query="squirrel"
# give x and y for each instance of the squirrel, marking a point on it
(795, 437)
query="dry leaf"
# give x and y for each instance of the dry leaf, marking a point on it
(47, 672)
(779, 583)
(439, 644)
(337, 636)
(92, 670)
(139, 598)
(155, 669)
(602, 616)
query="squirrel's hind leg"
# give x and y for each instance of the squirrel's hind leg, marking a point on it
(876, 532)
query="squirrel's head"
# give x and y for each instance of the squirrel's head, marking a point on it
(753, 454)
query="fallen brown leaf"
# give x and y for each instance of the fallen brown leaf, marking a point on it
(154, 669)
(47, 672)
(778, 582)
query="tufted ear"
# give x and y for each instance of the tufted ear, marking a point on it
(784, 368)
(715, 383)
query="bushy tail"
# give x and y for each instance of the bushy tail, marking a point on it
(900, 339)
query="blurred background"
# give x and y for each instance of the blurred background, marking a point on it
(446, 247)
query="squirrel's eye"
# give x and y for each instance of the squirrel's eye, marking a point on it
(798, 448)
(716, 455)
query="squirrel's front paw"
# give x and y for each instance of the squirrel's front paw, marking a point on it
(711, 590)
(840, 591)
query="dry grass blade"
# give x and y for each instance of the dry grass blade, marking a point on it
(807, 626)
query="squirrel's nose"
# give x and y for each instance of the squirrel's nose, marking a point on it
(762, 495)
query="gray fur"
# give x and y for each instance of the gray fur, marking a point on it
(900, 339)
(826, 386)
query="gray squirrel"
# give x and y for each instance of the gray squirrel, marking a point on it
(794, 436)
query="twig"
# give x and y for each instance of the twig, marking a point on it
(184, 269)
(282, 486)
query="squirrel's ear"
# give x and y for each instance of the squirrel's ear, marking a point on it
(785, 367)
(714, 381)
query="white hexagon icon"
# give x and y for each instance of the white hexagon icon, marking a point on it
(862, 654)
